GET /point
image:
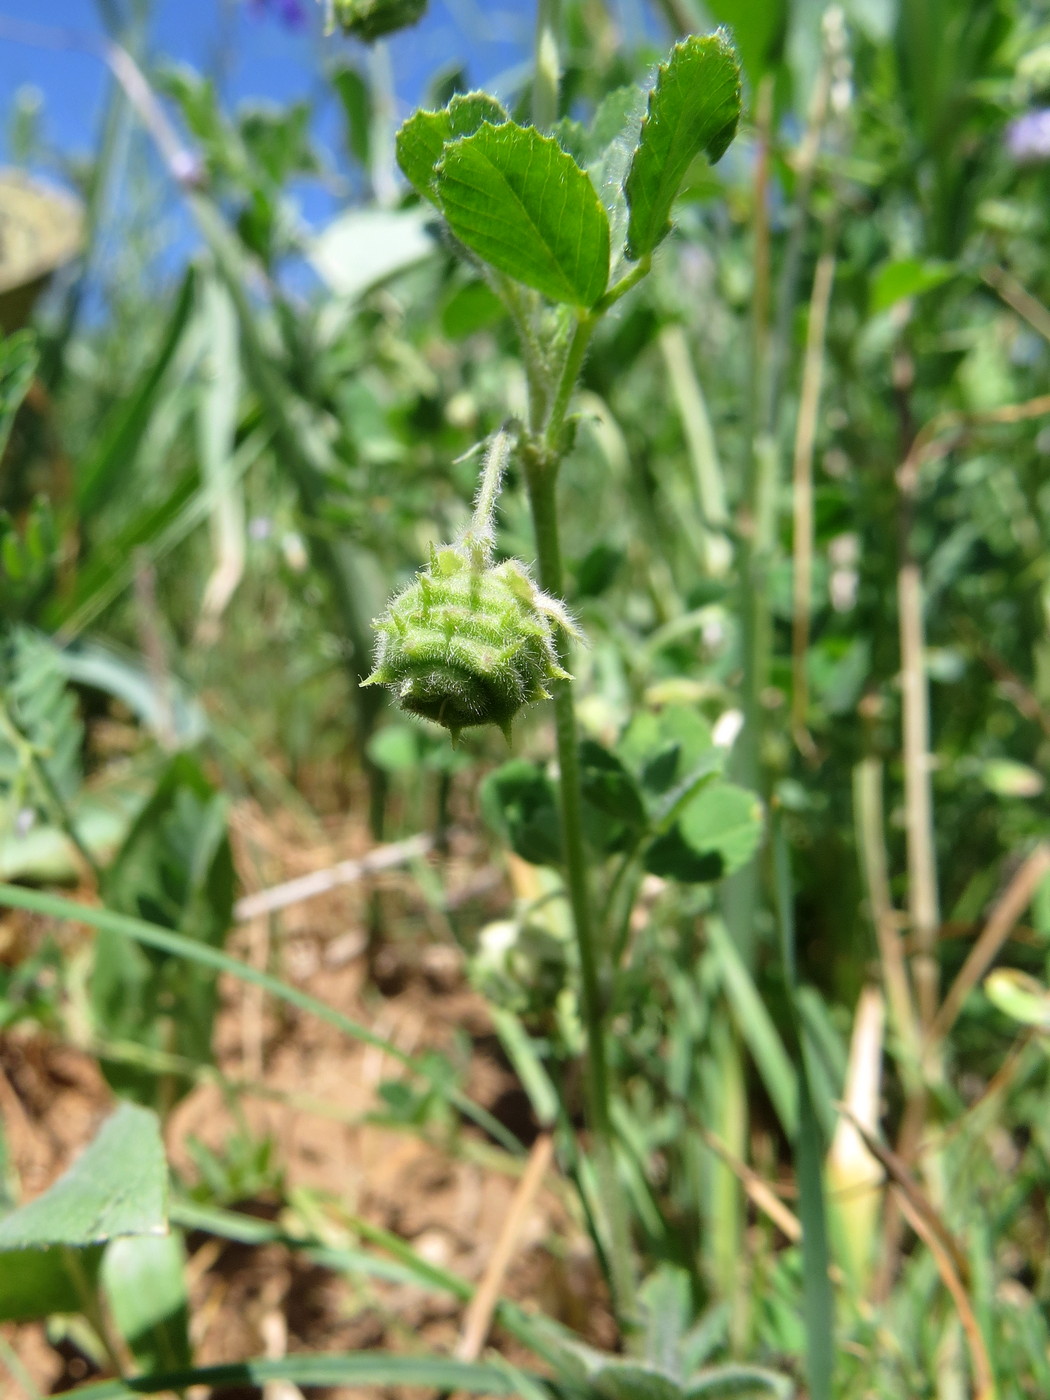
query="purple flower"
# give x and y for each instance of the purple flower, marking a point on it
(1028, 137)
(291, 13)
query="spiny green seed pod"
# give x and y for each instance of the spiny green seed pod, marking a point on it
(371, 19)
(471, 642)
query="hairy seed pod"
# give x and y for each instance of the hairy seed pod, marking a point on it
(469, 642)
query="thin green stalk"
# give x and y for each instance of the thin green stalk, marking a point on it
(570, 372)
(383, 166)
(541, 496)
(482, 531)
(540, 477)
(620, 289)
(709, 481)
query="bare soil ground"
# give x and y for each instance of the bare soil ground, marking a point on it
(313, 1095)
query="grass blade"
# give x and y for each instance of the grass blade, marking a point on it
(52, 906)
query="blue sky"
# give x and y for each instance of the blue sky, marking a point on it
(261, 58)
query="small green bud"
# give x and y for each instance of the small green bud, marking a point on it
(371, 19)
(471, 642)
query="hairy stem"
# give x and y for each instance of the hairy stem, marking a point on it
(542, 458)
(544, 514)
(540, 477)
(481, 527)
(570, 372)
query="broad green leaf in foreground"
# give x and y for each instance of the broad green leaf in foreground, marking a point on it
(694, 107)
(523, 205)
(118, 1186)
(422, 138)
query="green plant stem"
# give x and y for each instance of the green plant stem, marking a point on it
(481, 528)
(542, 500)
(541, 477)
(541, 454)
(619, 289)
(570, 372)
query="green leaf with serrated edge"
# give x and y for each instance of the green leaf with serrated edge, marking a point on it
(118, 1186)
(421, 140)
(694, 108)
(521, 204)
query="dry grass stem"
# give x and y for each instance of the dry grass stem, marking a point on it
(1018, 298)
(759, 1192)
(984, 1380)
(805, 444)
(318, 882)
(870, 822)
(1014, 900)
(478, 1318)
